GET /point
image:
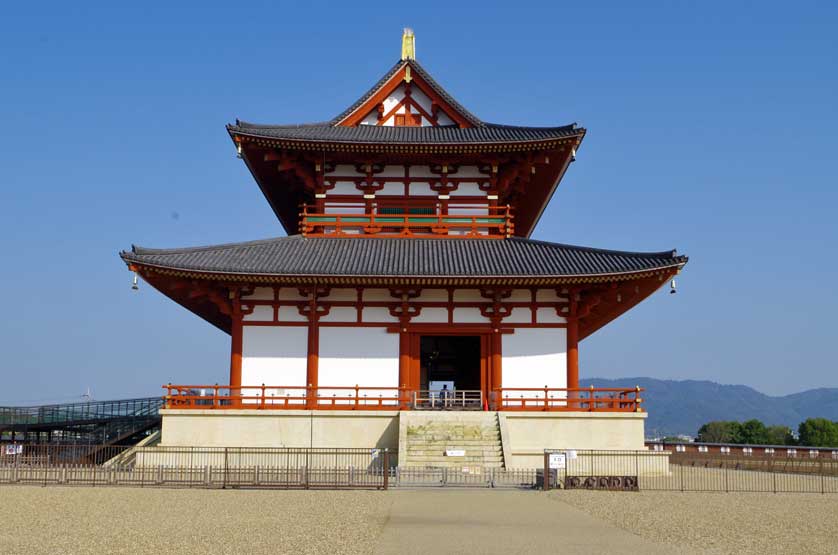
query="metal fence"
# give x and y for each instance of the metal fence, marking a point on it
(377, 469)
(206, 468)
(656, 471)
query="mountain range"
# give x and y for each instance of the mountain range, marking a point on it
(680, 407)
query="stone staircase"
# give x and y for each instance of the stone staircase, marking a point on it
(426, 436)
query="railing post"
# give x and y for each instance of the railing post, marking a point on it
(386, 469)
(263, 396)
(356, 396)
(546, 404)
(545, 482)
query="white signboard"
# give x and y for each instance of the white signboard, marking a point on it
(13, 449)
(455, 452)
(557, 461)
(571, 454)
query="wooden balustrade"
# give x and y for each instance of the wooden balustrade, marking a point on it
(603, 399)
(354, 220)
(266, 397)
(214, 397)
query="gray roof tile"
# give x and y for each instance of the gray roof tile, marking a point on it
(397, 257)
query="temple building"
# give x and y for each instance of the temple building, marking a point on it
(407, 290)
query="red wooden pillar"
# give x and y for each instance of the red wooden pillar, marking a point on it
(573, 353)
(312, 360)
(404, 369)
(236, 340)
(496, 381)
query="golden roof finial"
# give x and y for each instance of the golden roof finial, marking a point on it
(408, 44)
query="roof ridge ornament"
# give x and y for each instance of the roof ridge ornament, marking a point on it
(408, 44)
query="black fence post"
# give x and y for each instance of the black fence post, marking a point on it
(545, 482)
(386, 468)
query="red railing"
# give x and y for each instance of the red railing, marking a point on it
(459, 220)
(266, 397)
(603, 399)
(211, 397)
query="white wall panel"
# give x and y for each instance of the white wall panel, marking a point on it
(431, 315)
(340, 314)
(519, 316)
(535, 358)
(260, 314)
(469, 316)
(290, 294)
(274, 356)
(549, 316)
(260, 294)
(368, 357)
(378, 315)
(343, 294)
(377, 295)
(468, 190)
(421, 188)
(469, 295)
(433, 295)
(290, 314)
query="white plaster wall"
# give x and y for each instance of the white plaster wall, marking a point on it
(421, 99)
(378, 315)
(290, 314)
(433, 295)
(535, 357)
(469, 295)
(290, 294)
(260, 314)
(520, 296)
(431, 315)
(548, 296)
(468, 189)
(274, 356)
(393, 188)
(358, 356)
(260, 294)
(519, 316)
(343, 294)
(421, 188)
(421, 171)
(469, 316)
(377, 295)
(344, 188)
(549, 316)
(340, 314)
(391, 171)
(443, 119)
(469, 171)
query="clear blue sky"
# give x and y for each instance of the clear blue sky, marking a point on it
(712, 129)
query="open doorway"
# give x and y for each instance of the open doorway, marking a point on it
(450, 361)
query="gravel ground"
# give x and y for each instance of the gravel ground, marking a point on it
(77, 521)
(719, 522)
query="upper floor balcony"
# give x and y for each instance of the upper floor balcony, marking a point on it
(407, 220)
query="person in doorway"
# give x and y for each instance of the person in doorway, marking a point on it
(444, 394)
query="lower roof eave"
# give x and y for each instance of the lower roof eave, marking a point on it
(402, 279)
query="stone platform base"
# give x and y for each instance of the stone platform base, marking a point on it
(524, 435)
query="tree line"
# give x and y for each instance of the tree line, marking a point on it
(813, 432)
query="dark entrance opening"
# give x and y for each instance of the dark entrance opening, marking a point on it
(453, 360)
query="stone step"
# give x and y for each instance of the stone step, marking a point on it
(454, 437)
(455, 431)
(465, 461)
(423, 469)
(435, 453)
